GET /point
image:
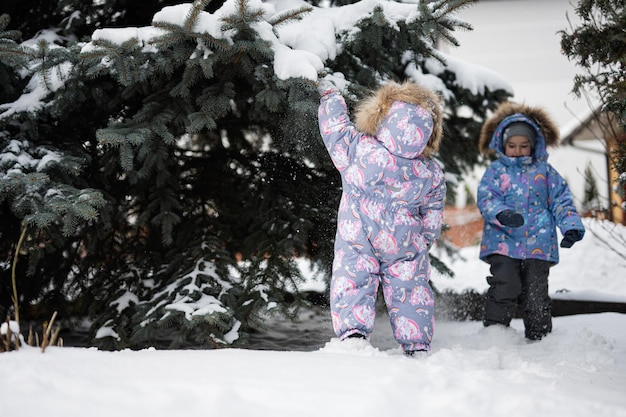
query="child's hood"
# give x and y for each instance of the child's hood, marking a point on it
(490, 139)
(404, 110)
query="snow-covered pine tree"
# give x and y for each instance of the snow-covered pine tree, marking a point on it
(44, 202)
(591, 198)
(200, 132)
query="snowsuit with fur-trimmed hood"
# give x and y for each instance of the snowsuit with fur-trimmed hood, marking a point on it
(390, 211)
(520, 257)
(527, 185)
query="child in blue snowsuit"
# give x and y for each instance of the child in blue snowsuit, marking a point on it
(390, 211)
(522, 199)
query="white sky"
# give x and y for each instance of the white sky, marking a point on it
(518, 39)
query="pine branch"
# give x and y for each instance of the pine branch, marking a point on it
(124, 58)
(289, 16)
(241, 20)
(196, 8)
(175, 34)
(14, 55)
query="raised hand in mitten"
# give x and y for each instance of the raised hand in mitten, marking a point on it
(571, 237)
(329, 82)
(510, 218)
(325, 85)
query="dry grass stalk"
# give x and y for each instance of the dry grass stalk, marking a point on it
(50, 337)
(46, 334)
(9, 340)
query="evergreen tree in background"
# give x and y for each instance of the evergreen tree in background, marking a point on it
(591, 199)
(598, 45)
(166, 187)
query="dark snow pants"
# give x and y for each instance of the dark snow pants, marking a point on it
(519, 283)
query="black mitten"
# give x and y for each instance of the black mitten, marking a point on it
(510, 218)
(571, 237)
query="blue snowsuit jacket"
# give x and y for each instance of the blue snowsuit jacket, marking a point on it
(528, 185)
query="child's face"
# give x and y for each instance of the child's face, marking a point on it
(517, 146)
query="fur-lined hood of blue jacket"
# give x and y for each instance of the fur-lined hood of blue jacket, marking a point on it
(490, 141)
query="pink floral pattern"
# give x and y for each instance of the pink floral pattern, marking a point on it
(390, 213)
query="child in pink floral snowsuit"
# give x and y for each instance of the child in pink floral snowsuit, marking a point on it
(390, 211)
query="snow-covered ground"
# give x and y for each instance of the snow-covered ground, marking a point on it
(578, 370)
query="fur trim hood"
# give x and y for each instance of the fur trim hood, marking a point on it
(374, 111)
(546, 128)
